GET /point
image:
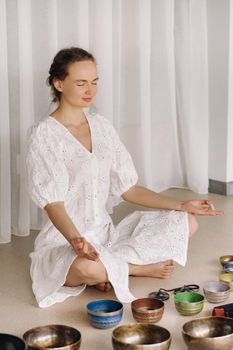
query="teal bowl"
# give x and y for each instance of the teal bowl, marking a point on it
(104, 313)
(189, 303)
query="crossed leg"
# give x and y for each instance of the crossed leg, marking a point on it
(92, 273)
(84, 271)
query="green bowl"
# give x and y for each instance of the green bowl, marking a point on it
(189, 303)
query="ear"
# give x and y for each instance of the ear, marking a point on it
(58, 85)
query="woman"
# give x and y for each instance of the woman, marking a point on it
(75, 162)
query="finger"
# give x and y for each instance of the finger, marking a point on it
(85, 247)
(89, 257)
(95, 256)
(210, 203)
(211, 213)
(219, 212)
(93, 253)
(92, 257)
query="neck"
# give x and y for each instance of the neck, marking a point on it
(69, 115)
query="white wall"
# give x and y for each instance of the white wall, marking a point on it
(219, 134)
(230, 102)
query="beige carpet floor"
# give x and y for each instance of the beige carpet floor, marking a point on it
(19, 311)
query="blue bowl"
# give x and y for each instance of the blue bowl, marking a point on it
(104, 313)
(228, 267)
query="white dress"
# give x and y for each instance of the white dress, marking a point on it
(60, 168)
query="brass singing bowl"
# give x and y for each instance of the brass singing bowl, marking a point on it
(209, 333)
(224, 259)
(52, 337)
(141, 336)
(11, 342)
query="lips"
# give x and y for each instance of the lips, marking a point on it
(87, 99)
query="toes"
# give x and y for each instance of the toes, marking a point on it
(166, 274)
(104, 287)
(100, 286)
(108, 287)
(169, 262)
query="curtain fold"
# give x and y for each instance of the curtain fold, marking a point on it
(192, 91)
(5, 173)
(152, 62)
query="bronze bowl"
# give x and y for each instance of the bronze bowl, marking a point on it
(11, 342)
(147, 310)
(52, 337)
(209, 333)
(141, 336)
(225, 259)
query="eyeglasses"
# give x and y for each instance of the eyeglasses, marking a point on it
(162, 294)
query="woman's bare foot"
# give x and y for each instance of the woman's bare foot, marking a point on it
(161, 269)
(104, 287)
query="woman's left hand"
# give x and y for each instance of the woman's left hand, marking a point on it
(201, 207)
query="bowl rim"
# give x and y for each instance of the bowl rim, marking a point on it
(189, 302)
(137, 309)
(52, 325)
(207, 318)
(102, 313)
(218, 282)
(139, 324)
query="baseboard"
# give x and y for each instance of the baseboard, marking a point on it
(219, 187)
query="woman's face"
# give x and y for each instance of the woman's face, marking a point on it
(80, 85)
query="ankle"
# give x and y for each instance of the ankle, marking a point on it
(134, 270)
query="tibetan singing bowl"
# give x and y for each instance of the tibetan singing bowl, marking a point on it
(104, 313)
(147, 310)
(189, 303)
(216, 291)
(209, 333)
(141, 336)
(52, 337)
(11, 342)
(227, 278)
(225, 259)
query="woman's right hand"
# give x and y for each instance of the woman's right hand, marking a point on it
(83, 248)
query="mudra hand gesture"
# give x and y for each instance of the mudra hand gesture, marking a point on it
(201, 207)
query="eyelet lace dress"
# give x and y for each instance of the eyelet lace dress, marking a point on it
(60, 168)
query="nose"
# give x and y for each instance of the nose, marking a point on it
(90, 89)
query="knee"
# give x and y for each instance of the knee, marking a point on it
(85, 267)
(193, 224)
(90, 272)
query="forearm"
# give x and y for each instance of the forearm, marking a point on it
(147, 198)
(61, 220)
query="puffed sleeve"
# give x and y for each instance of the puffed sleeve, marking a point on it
(47, 175)
(123, 174)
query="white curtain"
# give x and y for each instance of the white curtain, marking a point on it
(152, 63)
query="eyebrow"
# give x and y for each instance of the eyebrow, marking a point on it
(84, 81)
